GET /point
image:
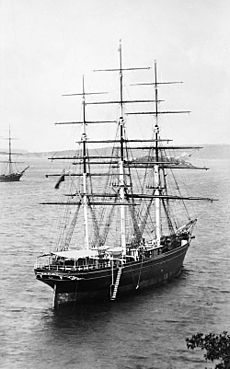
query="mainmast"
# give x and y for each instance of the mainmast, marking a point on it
(121, 162)
(84, 155)
(122, 141)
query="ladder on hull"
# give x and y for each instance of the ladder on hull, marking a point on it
(114, 294)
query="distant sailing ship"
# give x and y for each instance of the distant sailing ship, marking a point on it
(128, 237)
(10, 173)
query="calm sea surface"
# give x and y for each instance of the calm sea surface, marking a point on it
(142, 332)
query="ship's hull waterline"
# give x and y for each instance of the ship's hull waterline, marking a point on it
(88, 286)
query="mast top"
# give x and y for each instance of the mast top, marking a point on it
(120, 69)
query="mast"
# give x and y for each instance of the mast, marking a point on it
(121, 162)
(84, 155)
(122, 141)
(10, 157)
(84, 200)
(158, 150)
(156, 166)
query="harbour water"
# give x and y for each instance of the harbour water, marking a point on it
(140, 332)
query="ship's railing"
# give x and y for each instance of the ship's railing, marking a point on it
(67, 268)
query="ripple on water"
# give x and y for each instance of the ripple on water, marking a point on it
(145, 331)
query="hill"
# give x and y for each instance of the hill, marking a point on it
(207, 152)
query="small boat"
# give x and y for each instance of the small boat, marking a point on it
(123, 233)
(10, 173)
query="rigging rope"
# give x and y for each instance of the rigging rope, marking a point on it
(71, 228)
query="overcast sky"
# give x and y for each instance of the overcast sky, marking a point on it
(46, 46)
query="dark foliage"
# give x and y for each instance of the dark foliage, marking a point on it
(217, 347)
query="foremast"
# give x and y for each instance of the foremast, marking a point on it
(156, 166)
(83, 195)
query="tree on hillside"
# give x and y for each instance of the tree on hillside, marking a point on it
(216, 346)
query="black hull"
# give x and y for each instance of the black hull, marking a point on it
(15, 177)
(95, 285)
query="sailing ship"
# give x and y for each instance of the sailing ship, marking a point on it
(128, 236)
(10, 173)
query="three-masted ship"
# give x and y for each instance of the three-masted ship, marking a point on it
(122, 234)
(10, 172)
